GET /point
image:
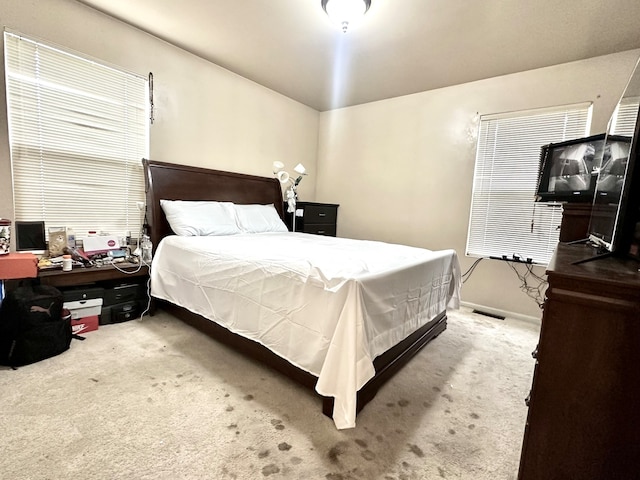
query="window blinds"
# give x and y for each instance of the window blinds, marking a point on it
(78, 132)
(504, 219)
(624, 117)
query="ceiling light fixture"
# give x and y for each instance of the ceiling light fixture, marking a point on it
(345, 12)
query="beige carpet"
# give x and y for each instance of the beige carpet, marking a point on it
(155, 399)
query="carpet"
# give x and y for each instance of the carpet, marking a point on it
(156, 399)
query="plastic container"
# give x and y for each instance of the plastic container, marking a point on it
(147, 248)
(67, 263)
(71, 238)
(5, 236)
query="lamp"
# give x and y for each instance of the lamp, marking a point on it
(345, 12)
(292, 191)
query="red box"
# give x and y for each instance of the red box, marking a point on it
(84, 324)
(18, 265)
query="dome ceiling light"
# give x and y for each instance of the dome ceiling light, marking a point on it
(345, 13)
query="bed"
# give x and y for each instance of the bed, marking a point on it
(339, 316)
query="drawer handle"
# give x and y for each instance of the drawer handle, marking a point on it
(534, 354)
(322, 214)
(321, 232)
(527, 400)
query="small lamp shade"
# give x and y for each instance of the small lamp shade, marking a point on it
(300, 169)
(282, 176)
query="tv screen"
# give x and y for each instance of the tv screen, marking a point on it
(613, 167)
(568, 170)
(614, 226)
(30, 237)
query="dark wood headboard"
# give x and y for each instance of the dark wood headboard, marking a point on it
(170, 181)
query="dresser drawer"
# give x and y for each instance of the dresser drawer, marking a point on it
(328, 229)
(320, 214)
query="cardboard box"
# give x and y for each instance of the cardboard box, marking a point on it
(83, 325)
(100, 244)
(84, 308)
(18, 265)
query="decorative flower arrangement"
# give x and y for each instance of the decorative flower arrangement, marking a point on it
(291, 193)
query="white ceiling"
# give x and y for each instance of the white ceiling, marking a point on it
(401, 47)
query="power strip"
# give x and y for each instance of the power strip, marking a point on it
(513, 258)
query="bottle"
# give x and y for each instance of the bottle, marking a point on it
(67, 263)
(71, 238)
(147, 247)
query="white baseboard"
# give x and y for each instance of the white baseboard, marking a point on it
(503, 313)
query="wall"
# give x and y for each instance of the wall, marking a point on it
(205, 115)
(402, 169)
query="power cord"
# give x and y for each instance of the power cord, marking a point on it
(141, 262)
(535, 292)
(466, 275)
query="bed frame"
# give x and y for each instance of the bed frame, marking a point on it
(180, 182)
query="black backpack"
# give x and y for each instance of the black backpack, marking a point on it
(32, 325)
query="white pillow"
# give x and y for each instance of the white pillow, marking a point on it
(259, 219)
(200, 218)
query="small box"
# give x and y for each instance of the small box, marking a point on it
(84, 308)
(100, 244)
(84, 324)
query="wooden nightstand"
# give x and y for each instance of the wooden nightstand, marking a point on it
(316, 218)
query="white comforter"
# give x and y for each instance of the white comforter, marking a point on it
(328, 305)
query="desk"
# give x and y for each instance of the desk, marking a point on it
(84, 276)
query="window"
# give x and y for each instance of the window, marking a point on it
(504, 219)
(78, 131)
(623, 120)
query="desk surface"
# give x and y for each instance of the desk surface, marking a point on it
(79, 275)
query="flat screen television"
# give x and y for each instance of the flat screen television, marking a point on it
(569, 170)
(614, 226)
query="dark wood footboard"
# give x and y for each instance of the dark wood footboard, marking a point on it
(386, 364)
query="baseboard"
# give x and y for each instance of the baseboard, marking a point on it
(503, 313)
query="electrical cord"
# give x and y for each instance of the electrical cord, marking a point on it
(534, 292)
(466, 275)
(141, 262)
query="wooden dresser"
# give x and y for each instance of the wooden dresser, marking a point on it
(313, 217)
(584, 406)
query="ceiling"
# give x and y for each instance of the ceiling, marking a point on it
(401, 46)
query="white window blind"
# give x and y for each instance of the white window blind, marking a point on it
(624, 118)
(504, 219)
(78, 132)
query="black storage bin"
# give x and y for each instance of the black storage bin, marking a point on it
(121, 312)
(82, 293)
(125, 293)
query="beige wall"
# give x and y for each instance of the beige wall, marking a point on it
(205, 115)
(402, 169)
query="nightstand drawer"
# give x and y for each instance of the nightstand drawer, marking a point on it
(328, 229)
(320, 214)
